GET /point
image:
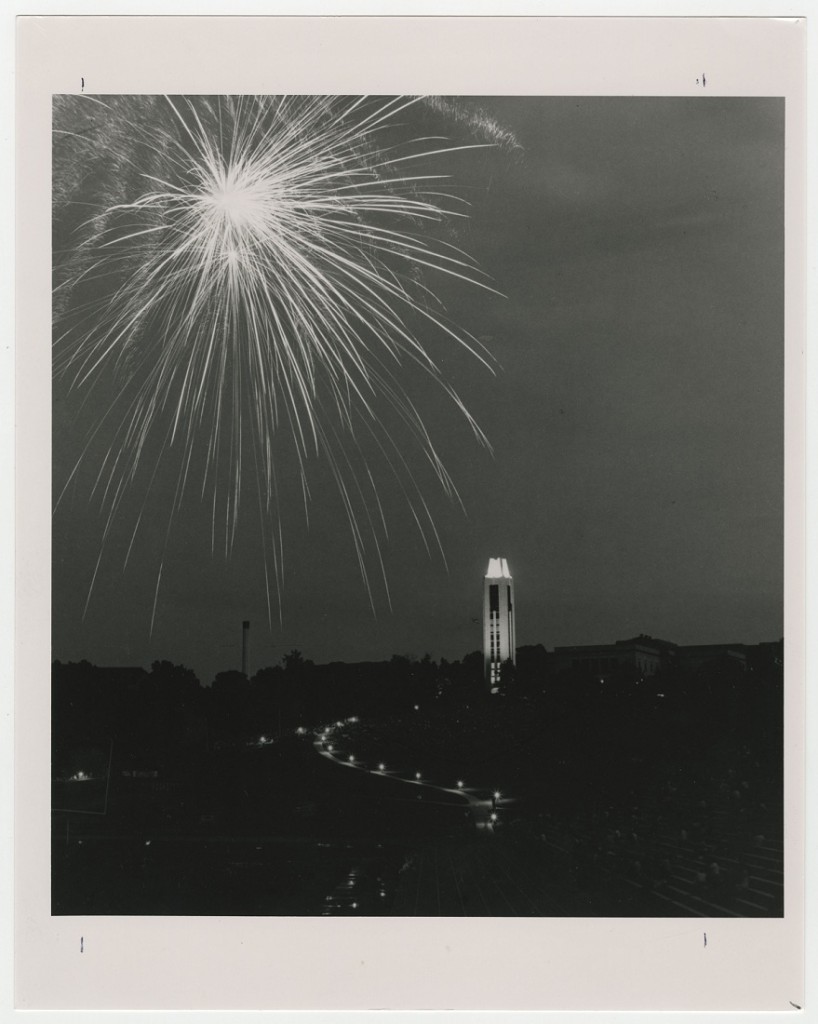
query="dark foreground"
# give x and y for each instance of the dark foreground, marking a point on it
(284, 830)
(569, 796)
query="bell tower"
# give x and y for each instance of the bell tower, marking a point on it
(499, 634)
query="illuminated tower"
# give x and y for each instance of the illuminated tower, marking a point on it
(499, 635)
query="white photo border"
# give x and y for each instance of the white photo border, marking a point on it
(400, 964)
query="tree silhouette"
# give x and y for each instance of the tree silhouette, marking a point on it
(293, 662)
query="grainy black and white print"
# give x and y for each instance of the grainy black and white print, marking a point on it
(417, 506)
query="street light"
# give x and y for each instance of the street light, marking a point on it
(459, 783)
(381, 767)
(351, 759)
(417, 775)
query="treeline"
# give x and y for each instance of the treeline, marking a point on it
(168, 710)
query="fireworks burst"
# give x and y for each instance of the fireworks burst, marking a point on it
(253, 269)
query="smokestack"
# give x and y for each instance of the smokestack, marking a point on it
(245, 630)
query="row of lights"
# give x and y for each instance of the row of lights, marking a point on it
(324, 735)
(496, 795)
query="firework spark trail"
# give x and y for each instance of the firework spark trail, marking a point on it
(486, 126)
(266, 273)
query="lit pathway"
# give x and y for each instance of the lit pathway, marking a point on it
(483, 809)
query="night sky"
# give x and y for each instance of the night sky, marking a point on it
(636, 419)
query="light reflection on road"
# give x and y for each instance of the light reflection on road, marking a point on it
(359, 890)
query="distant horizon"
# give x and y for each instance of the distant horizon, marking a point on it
(413, 656)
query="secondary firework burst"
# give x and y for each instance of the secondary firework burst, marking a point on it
(246, 270)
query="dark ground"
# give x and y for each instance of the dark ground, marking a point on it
(659, 797)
